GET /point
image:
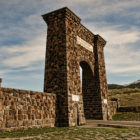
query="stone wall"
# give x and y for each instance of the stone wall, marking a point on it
(23, 108)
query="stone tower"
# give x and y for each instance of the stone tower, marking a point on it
(69, 46)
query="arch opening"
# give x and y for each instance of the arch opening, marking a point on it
(90, 93)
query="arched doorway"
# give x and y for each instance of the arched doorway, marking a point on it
(91, 97)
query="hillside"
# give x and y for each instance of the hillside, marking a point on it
(135, 84)
(126, 96)
(115, 86)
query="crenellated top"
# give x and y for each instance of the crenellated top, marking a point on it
(61, 13)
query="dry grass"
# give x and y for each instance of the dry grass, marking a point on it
(127, 97)
(73, 133)
(126, 116)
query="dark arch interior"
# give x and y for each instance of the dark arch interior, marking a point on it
(91, 96)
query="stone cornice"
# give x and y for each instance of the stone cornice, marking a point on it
(61, 13)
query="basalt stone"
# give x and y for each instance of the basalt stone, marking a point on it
(19, 110)
(69, 46)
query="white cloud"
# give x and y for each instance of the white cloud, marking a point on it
(2, 72)
(24, 55)
(122, 60)
(101, 8)
(121, 55)
(115, 37)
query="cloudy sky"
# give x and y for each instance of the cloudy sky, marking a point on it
(23, 38)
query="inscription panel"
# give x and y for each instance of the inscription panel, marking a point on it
(84, 44)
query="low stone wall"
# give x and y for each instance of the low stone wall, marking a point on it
(129, 109)
(112, 109)
(114, 106)
(22, 108)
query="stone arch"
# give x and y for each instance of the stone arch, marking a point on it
(70, 44)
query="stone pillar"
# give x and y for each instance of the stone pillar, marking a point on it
(101, 73)
(56, 65)
(62, 24)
